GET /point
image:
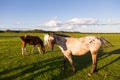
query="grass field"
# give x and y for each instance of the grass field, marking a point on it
(13, 66)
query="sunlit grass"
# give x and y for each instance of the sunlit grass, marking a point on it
(13, 66)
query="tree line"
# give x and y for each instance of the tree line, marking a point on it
(42, 31)
(33, 31)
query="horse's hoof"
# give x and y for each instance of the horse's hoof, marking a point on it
(89, 74)
(73, 73)
(63, 68)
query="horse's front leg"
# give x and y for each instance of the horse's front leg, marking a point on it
(23, 47)
(23, 50)
(94, 63)
(39, 49)
(63, 68)
(69, 57)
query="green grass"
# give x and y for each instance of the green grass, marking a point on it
(13, 66)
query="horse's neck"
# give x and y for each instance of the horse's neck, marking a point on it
(61, 41)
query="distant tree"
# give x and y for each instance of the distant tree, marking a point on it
(1, 31)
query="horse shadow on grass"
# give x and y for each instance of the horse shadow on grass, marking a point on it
(82, 62)
(105, 55)
(49, 65)
(117, 51)
(36, 69)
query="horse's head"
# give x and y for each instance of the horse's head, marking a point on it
(46, 36)
(51, 41)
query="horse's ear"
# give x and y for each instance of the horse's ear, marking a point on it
(52, 34)
(49, 34)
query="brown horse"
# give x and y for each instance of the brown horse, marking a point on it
(78, 46)
(32, 40)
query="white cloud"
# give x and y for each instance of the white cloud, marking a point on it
(82, 21)
(69, 27)
(74, 24)
(91, 21)
(56, 29)
(79, 24)
(52, 23)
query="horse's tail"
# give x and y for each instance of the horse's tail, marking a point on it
(105, 42)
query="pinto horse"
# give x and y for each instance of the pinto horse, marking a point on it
(78, 46)
(32, 40)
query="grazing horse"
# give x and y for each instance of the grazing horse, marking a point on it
(77, 46)
(46, 36)
(32, 40)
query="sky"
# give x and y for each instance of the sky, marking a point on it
(61, 15)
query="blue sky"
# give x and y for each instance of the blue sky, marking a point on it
(63, 15)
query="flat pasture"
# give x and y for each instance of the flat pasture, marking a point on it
(13, 66)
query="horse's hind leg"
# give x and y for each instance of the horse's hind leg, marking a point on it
(94, 63)
(33, 49)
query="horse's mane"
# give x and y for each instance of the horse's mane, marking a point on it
(63, 35)
(60, 40)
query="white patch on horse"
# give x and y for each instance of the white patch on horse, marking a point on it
(60, 48)
(23, 51)
(46, 36)
(39, 50)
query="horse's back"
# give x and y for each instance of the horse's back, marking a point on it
(32, 40)
(80, 46)
(37, 40)
(77, 46)
(94, 43)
